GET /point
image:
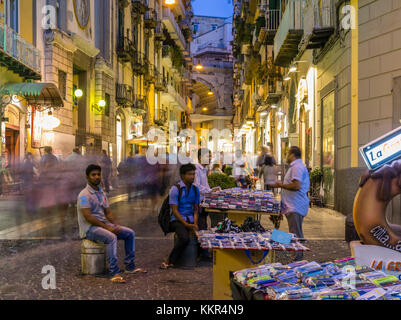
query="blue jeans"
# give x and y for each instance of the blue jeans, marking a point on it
(98, 234)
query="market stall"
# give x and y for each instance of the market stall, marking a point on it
(341, 279)
(234, 251)
(238, 204)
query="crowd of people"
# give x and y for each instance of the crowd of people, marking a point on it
(85, 181)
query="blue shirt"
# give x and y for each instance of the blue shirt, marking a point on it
(187, 201)
(97, 201)
(296, 201)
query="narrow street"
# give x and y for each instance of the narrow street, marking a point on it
(38, 241)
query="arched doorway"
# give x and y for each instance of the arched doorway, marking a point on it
(13, 134)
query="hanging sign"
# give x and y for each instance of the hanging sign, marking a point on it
(383, 150)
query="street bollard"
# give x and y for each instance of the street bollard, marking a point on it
(93, 257)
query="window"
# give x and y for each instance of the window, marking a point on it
(107, 107)
(62, 83)
(12, 14)
(196, 28)
(156, 108)
(102, 21)
(213, 27)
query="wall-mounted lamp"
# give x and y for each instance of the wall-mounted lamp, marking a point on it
(210, 93)
(78, 93)
(169, 2)
(205, 109)
(99, 107)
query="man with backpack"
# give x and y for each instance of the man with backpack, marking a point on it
(184, 200)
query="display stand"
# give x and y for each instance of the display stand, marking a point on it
(227, 261)
(239, 216)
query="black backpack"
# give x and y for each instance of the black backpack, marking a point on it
(165, 212)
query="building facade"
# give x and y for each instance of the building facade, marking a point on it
(211, 51)
(332, 83)
(106, 79)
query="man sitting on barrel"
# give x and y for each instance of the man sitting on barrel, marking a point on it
(96, 223)
(184, 202)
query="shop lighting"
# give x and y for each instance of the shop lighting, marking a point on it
(274, 106)
(263, 114)
(287, 78)
(78, 93)
(50, 122)
(99, 106)
(205, 109)
(280, 113)
(293, 68)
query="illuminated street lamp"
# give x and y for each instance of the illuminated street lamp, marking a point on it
(169, 2)
(78, 93)
(205, 109)
(199, 67)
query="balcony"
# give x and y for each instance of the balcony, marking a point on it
(161, 83)
(319, 24)
(151, 74)
(173, 28)
(174, 98)
(125, 49)
(138, 6)
(274, 91)
(268, 32)
(140, 105)
(139, 64)
(18, 55)
(150, 19)
(289, 33)
(124, 94)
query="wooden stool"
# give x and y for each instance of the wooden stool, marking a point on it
(93, 257)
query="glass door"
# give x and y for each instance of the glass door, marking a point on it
(328, 148)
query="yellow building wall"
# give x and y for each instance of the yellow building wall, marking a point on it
(26, 20)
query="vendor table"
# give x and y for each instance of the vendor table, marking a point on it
(228, 260)
(239, 216)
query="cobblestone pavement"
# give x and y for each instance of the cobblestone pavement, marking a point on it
(21, 263)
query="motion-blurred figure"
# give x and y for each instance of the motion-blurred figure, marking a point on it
(106, 164)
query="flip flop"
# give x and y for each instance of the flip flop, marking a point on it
(165, 266)
(117, 279)
(135, 271)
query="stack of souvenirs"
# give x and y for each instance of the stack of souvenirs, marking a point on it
(338, 280)
(246, 241)
(242, 199)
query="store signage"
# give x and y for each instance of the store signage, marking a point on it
(379, 258)
(382, 150)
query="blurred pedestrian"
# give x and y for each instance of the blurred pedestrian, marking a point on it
(28, 179)
(269, 172)
(106, 164)
(48, 169)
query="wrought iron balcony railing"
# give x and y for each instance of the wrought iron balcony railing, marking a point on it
(124, 94)
(126, 49)
(150, 19)
(19, 55)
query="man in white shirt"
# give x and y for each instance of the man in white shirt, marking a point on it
(201, 181)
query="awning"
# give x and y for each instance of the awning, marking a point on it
(36, 94)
